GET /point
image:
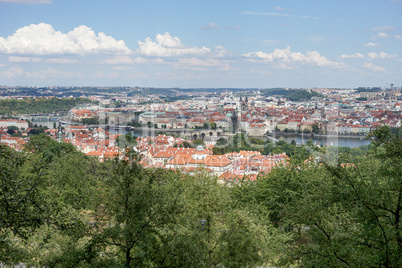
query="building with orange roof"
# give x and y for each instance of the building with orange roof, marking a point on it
(16, 143)
(257, 130)
(13, 122)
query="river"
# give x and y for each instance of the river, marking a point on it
(324, 140)
(44, 121)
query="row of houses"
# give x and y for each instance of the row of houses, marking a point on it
(158, 152)
(5, 123)
(17, 143)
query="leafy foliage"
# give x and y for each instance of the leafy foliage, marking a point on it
(21, 206)
(59, 208)
(242, 142)
(297, 95)
(90, 121)
(35, 106)
(342, 215)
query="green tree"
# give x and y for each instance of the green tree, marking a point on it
(221, 233)
(187, 144)
(12, 130)
(213, 125)
(141, 206)
(134, 124)
(221, 141)
(71, 180)
(310, 143)
(342, 215)
(24, 200)
(39, 105)
(197, 142)
(126, 140)
(90, 121)
(315, 129)
(22, 209)
(46, 186)
(48, 147)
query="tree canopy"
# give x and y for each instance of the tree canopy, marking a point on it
(61, 208)
(40, 105)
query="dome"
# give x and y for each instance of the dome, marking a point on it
(199, 148)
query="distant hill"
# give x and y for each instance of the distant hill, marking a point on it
(291, 94)
(274, 92)
(297, 95)
(368, 89)
(33, 106)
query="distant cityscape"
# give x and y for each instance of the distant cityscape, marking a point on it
(177, 128)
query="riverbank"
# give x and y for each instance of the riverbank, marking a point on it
(348, 136)
(323, 139)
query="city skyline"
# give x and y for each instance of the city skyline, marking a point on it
(234, 44)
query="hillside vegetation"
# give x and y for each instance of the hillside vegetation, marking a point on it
(292, 94)
(61, 208)
(40, 105)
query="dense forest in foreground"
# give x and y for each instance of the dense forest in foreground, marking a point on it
(60, 208)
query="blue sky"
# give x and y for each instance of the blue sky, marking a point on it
(220, 43)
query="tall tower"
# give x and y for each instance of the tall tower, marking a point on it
(59, 131)
(235, 121)
(244, 105)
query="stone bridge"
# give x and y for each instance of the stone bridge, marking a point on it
(204, 133)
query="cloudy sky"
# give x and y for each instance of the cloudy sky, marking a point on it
(217, 43)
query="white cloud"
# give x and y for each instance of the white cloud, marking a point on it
(270, 42)
(42, 39)
(236, 27)
(61, 61)
(52, 73)
(382, 35)
(18, 72)
(381, 55)
(167, 46)
(370, 66)
(286, 56)
(283, 66)
(371, 45)
(352, 56)
(122, 68)
(201, 64)
(383, 28)
(220, 52)
(211, 26)
(279, 8)
(141, 60)
(13, 72)
(398, 37)
(119, 60)
(28, 1)
(275, 14)
(23, 59)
